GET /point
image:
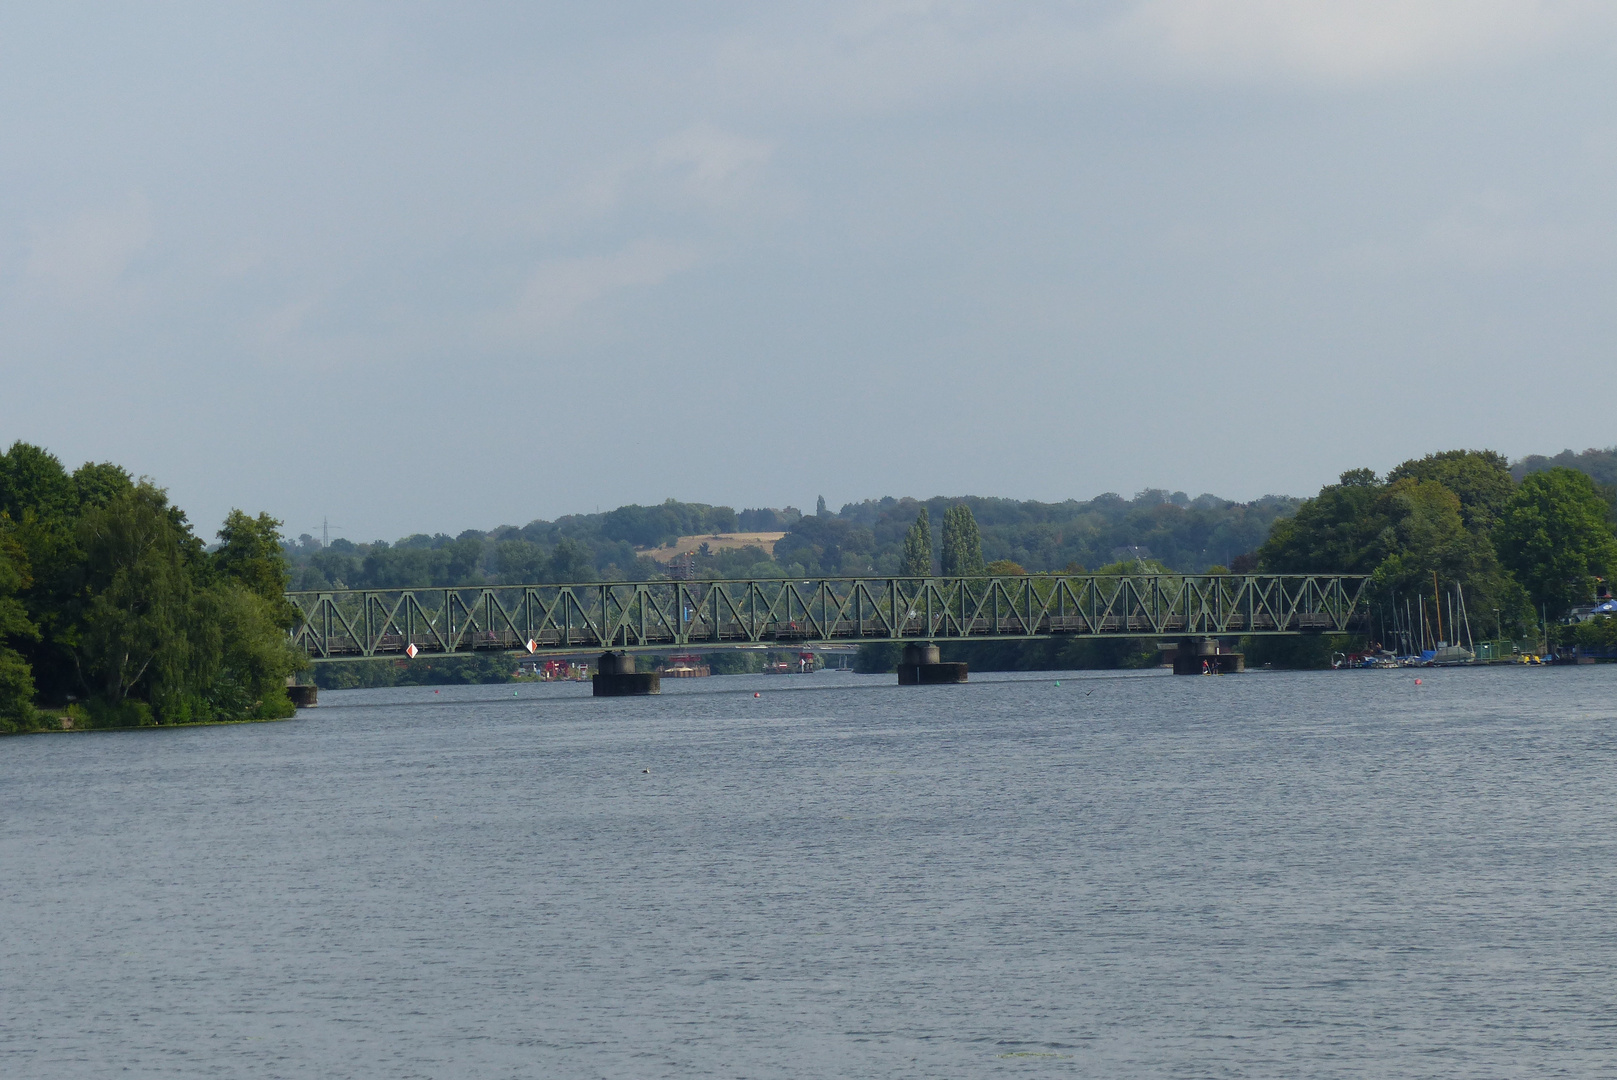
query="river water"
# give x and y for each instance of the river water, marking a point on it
(1267, 875)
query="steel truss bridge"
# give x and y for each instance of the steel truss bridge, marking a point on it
(355, 624)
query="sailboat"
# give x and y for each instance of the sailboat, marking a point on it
(1446, 654)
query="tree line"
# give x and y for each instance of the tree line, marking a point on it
(1523, 553)
(1522, 542)
(114, 613)
(862, 539)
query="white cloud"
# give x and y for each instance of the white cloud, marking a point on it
(713, 166)
(892, 54)
(701, 167)
(1350, 40)
(703, 173)
(558, 289)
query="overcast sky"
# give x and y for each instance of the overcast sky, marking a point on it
(423, 267)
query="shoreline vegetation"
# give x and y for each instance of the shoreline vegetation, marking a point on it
(113, 612)
(48, 722)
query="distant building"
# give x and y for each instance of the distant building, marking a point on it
(685, 667)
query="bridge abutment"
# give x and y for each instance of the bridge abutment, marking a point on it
(920, 666)
(1204, 656)
(615, 676)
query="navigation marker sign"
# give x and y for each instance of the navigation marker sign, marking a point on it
(412, 650)
(532, 645)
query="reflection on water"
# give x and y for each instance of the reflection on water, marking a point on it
(1332, 874)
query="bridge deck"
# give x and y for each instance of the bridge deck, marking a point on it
(357, 624)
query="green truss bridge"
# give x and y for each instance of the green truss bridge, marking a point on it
(353, 624)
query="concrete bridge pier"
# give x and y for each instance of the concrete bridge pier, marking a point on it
(615, 676)
(303, 696)
(919, 666)
(1204, 656)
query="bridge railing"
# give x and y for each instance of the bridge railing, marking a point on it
(357, 623)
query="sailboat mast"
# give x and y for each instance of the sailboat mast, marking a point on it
(1437, 603)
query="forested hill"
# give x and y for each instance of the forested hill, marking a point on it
(861, 539)
(867, 538)
(1599, 465)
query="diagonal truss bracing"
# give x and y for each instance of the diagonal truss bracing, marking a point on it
(356, 623)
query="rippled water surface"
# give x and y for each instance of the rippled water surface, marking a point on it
(1269, 875)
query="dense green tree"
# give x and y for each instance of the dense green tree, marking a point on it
(828, 545)
(653, 526)
(440, 671)
(41, 500)
(106, 594)
(1599, 465)
(1597, 634)
(1400, 533)
(240, 657)
(133, 627)
(16, 677)
(1332, 531)
(1479, 478)
(962, 543)
(646, 526)
(34, 484)
(520, 562)
(917, 555)
(570, 561)
(96, 485)
(424, 561)
(1423, 531)
(1554, 536)
(251, 554)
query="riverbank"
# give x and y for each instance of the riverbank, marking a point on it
(67, 724)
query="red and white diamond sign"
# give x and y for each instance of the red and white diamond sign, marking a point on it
(411, 651)
(532, 645)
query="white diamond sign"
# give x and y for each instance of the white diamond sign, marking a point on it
(411, 651)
